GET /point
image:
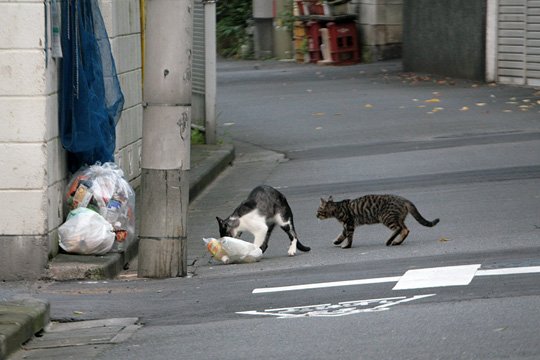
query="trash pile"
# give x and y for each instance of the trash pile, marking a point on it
(101, 206)
(229, 250)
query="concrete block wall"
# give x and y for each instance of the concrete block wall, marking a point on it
(33, 171)
(122, 19)
(31, 158)
(380, 25)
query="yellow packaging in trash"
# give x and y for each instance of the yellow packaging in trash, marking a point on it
(215, 248)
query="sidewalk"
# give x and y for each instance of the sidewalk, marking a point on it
(207, 161)
(20, 319)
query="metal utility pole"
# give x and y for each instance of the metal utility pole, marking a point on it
(166, 138)
(210, 70)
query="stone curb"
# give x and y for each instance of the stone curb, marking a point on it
(20, 320)
(217, 158)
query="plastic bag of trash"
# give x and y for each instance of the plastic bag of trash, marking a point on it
(86, 232)
(229, 250)
(102, 188)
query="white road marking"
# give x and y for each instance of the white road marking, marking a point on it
(458, 275)
(326, 285)
(335, 310)
(509, 271)
(437, 277)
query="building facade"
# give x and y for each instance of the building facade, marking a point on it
(34, 170)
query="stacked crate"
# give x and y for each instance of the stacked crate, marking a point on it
(340, 40)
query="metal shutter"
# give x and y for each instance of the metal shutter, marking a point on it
(198, 75)
(518, 49)
(532, 54)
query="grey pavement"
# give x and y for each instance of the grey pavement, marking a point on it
(22, 317)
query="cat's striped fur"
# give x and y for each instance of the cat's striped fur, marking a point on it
(389, 210)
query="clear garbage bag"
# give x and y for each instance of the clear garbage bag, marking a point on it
(229, 250)
(102, 188)
(85, 232)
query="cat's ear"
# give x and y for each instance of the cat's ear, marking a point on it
(219, 220)
(323, 201)
(330, 198)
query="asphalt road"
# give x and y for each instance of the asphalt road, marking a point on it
(463, 152)
(491, 317)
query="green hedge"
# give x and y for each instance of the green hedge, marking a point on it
(232, 20)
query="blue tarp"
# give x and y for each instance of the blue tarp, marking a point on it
(91, 99)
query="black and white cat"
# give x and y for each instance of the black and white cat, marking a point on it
(258, 214)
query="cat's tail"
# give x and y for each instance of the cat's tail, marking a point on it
(301, 247)
(414, 212)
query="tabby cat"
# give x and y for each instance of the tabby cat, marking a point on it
(389, 210)
(259, 213)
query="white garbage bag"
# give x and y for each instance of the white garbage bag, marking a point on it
(229, 250)
(86, 232)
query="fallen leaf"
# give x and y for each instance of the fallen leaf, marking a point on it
(318, 128)
(465, 108)
(480, 104)
(78, 313)
(443, 239)
(368, 106)
(507, 111)
(318, 114)
(228, 124)
(421, 106)
(526, 100)
(434, 100)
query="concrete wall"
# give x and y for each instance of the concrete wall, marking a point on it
(122, 19)
(33, 167)
(445, 37)
(30, 181)
(380, 27)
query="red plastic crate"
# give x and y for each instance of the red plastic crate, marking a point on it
(314, 40)
(343, 42)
